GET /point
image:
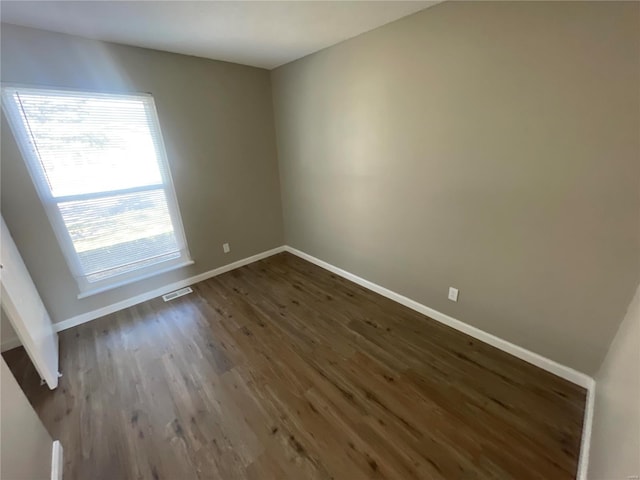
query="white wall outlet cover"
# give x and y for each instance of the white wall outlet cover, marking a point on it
(453, 294)
(226, 248)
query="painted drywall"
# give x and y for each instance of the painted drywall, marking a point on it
(8, 335)
(615, 439)
(493, 147)
(217, 123)
(25, 445)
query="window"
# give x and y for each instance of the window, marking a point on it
(99, 165)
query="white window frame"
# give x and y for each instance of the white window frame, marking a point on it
(50, 203)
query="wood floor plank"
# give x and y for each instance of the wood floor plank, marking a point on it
(281, 369)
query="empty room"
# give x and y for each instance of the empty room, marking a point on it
(272, 240)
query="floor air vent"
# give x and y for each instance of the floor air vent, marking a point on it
(176, 294)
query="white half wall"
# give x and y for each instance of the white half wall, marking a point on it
(615, 440)
(26, 446)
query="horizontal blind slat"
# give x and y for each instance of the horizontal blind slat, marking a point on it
(101, 158)
(90, 143)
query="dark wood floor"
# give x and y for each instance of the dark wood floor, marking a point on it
(281, 370)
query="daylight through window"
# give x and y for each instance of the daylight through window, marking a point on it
(99, 165)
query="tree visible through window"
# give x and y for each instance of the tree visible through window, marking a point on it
(99, 165)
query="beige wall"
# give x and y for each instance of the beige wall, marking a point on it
(217, 122)
(615, 441)
(25, 445)
(493, 147)
(8, 335)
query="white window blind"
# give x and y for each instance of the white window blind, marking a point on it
(100, 168)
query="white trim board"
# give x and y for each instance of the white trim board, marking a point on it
(528, 356)
(587, 427)
(143, 297)
(547, 364)
(57, 461)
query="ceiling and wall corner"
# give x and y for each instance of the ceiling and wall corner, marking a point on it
(220, 148)
(399, 163)
(262, 34)
(488, 146)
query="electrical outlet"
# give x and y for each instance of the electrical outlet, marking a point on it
(453, 294)
(226, 248)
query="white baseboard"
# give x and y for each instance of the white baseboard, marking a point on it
(544, 363)
(528, 356)
(129, 302)
(587, 426)
(547, 364)
(9, 343)
(57, 461)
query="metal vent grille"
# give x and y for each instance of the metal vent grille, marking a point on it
(176, 294)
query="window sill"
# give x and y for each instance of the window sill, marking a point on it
(95, 291)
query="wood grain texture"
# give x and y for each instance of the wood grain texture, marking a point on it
(282, 370)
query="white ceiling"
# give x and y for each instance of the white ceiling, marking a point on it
(259, 33)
